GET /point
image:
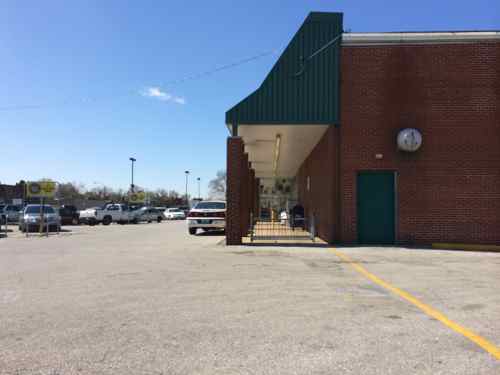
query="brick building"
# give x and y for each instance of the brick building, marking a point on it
(10, 192)
(328, 116)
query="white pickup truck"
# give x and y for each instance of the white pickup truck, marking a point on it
(110, 213)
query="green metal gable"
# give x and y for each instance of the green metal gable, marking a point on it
(299, 89)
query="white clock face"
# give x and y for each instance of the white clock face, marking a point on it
(409, 140)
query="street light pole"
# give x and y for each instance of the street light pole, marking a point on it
(187, 174)
(199, 194)
(132, 181)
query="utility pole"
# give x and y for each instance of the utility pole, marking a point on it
(199, 193)
(187, 174)
(132, 180)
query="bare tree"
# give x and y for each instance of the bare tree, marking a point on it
(70, 191)
(217, 186)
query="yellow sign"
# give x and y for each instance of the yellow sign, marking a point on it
(137, 197)
(41, 189)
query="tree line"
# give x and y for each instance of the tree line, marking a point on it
(71, 191)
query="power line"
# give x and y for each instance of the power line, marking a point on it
(318, 51)
(221, 68)
(193, 77)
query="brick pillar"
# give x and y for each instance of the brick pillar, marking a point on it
(234, 196)
(245, 209)
(257, 197)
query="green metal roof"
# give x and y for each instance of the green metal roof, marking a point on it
(300, 88)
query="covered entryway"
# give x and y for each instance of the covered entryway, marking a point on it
(276, 152)
(275, 129)
(280, 214)
(376, 208)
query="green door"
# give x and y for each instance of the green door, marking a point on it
(376, 207)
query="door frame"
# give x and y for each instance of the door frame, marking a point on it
(396, 206)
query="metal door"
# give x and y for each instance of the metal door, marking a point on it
(376, 207)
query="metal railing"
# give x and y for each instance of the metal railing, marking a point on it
(287, 228)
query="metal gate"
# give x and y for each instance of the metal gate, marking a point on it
(286, 228)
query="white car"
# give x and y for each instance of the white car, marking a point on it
(207, 215)
(110, 213)
(174, 214)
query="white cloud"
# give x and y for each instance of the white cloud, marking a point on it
(157, 93)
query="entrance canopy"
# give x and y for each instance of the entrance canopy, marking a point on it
(279, 150)
(284, 119)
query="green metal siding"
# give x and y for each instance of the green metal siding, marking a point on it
(311, 97)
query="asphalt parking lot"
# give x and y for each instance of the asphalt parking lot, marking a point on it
(150, 299)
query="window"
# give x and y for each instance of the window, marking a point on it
(211, 206)
(35, 209)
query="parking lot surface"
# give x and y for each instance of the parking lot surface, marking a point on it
(150, 299)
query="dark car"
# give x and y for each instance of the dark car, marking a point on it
(3, 217)
(69, 215)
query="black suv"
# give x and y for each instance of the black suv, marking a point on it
(69, 215)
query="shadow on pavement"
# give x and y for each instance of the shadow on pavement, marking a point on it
(211, 233)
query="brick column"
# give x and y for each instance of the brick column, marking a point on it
(234, 196)
(245, 209)
(256, 197)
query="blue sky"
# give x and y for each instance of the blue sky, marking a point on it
(98, 72)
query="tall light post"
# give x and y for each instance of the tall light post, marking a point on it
(187, 174)
(133, 160)
(199, 194)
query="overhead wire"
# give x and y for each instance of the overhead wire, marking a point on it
(192, 77)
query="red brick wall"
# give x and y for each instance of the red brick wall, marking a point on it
(234, 190)
(321, 199)
(449, 190)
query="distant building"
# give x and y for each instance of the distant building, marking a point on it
(10, 192)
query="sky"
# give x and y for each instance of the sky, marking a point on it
(84, 85)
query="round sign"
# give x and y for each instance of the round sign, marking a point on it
(35, 188)
(409, 140)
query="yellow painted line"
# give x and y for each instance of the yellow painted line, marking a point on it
(478, 340)
(463, 246)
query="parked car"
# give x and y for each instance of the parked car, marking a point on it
(207, 215)
(12, 212)
(69, 215)
(185, 209)
(147, 214)
(158, 213)
(31, 217)
(174, 214)
(110, 213)
(3, 217)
